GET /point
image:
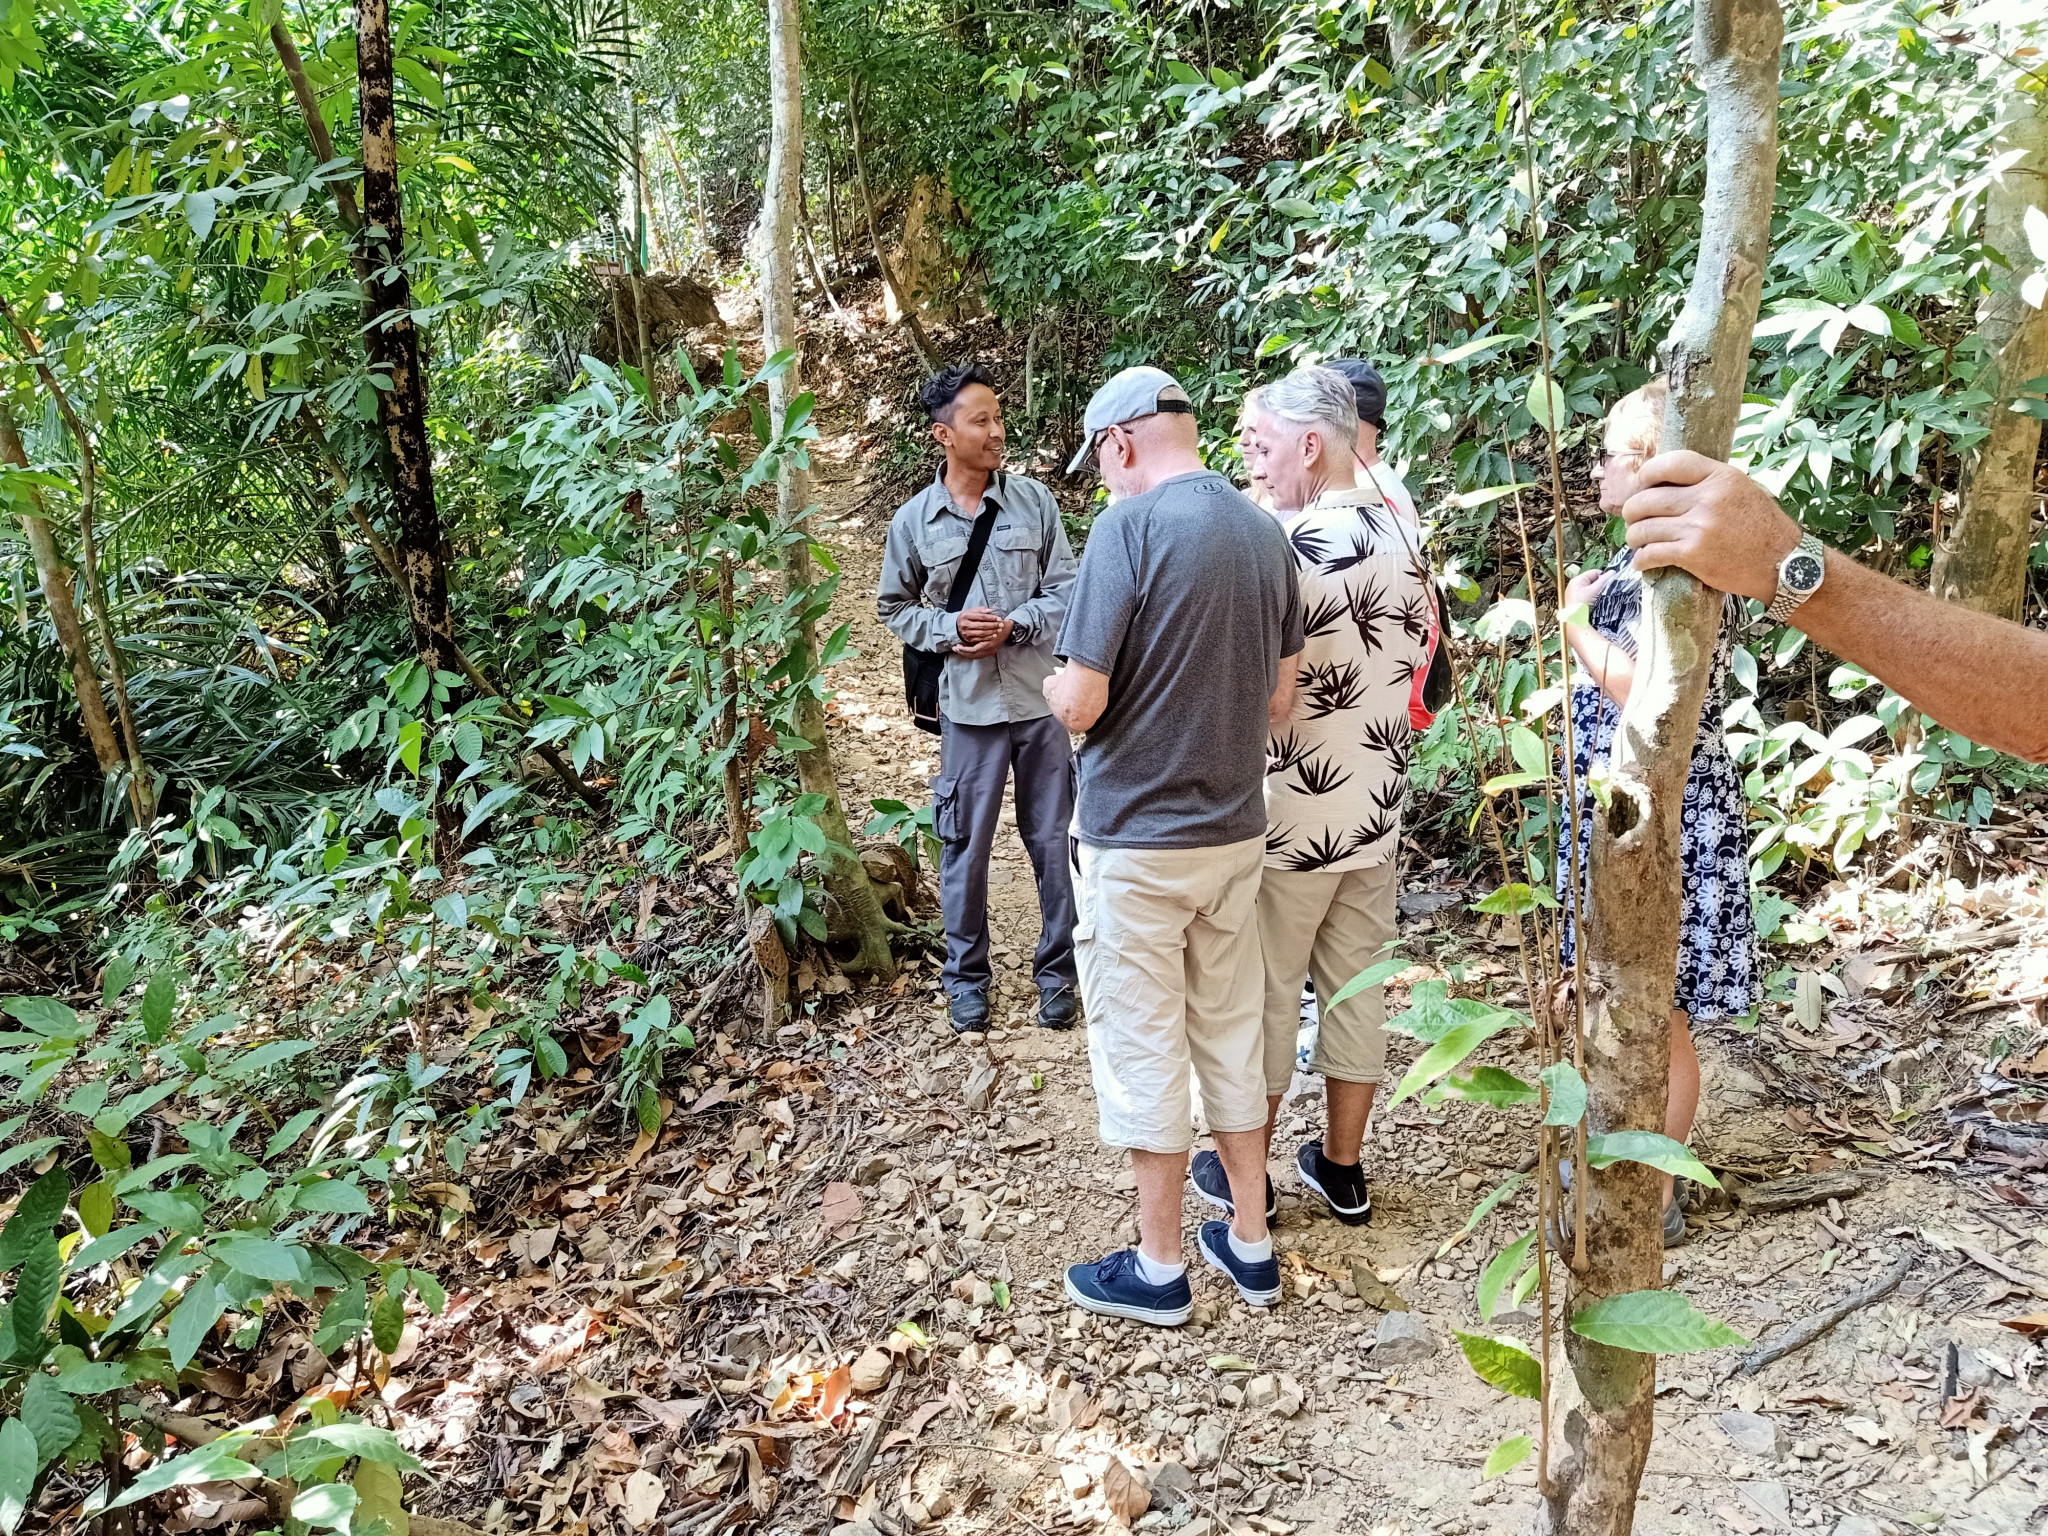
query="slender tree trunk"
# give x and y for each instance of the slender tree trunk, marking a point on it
(56, 581)
(855, 914)
(638, 266)
(1982, 560)
(144, 787)
(316, 130)
(1633, 925)
(920, 343)
(832, 204)
(393, 347)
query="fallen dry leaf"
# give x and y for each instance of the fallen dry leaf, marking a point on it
(644, 1496)
(1125, 1495)
(2032, 1325)
(1956, 1412)
(840, 1208)
(832, 1400)
(1375, 1292)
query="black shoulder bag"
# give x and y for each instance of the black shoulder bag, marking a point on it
(921, 669)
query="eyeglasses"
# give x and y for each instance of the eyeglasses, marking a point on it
(1611, 456)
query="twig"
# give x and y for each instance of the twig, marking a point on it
(855, 1470)
(2019, 1277)
(1801, 1334)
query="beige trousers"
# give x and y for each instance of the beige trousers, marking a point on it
(1329, 925)
(1168, 947)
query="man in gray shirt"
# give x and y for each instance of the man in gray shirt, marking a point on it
(997, 642)
(1184, 609)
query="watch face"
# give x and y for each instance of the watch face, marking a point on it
(1803, 572)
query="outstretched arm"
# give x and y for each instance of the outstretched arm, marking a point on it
(1982, 676)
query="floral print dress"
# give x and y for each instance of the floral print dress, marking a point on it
(1717, 954)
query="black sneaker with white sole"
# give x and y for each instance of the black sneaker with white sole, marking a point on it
(1342, 1187)
(1213, 1185)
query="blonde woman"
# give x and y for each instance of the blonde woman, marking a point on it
(1717, 959)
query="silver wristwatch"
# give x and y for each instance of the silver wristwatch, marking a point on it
(1799, 577)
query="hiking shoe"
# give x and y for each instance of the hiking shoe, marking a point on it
(1342, 1188)
(1058, 1007)
(1113, 1287)
(970, 1012)
(1257, 1280)
(1213, 1185)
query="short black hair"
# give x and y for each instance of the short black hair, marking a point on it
(1367, 386)
(943, 388)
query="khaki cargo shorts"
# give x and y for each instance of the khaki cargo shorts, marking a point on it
(1329, 926)
(1167, 942)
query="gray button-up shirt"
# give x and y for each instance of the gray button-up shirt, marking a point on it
(1025, 575)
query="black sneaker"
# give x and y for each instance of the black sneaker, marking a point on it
(1213, 1185)
(970, 1012)
(1058, 1007)
(1342, 1188)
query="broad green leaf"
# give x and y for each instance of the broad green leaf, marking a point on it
(50, 1417)
(112, 1245)
(44, 1015)
(213, 1462)
(1546, 403)
(1505, 1266)
(36, 1287)
(1452, 1049)
(202, 1307)
(380, 1500)
(159, 1005)
(1485, 1208)
(1567, 1094)
(1660, 1152)
(1372, 976)
(387, 1323)
(18, 1467)
(263, 1258)
(1467, 349)
(1486, 1085)
(336, 1196)
(328, 1504)
(35, 1214)
(350, 1438)
(1506, 1456)
(1653, 1323)
(120, 971)
(96, 1208)
(1503, 1363)
(28, 1151)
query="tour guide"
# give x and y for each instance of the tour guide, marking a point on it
(1185, 607)
(998, 651)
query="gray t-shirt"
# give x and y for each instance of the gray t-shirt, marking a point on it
(1186, 600)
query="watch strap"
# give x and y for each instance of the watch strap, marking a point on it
(1789, 598)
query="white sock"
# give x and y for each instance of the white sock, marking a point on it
(1152, 1272)
(1250, 1252)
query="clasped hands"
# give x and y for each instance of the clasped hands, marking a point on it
(983, 632)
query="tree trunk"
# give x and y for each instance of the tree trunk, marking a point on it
(56, 581)
(855, 914)
(142, 789)
(920, 343)
(1982, 561)
(1633, 925)
(393, 347)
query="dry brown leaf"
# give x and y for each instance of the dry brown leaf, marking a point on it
(832, 1400)
(1125, 1495)
(2032, 1325)
(645, 1494)
(1956, 1412)
(642, 1145)
(840, 1207)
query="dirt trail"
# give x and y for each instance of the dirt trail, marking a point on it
(1325, 1432)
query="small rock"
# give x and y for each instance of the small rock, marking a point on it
(1078, 1479)
(1402, 1338)
(1806, 1450)
(1857, 1525)
(1172, 1484)
(1205, 1444)
(1261, 1390)
(1769, 1499)
(1972, 1370)
(1199, 1527)
(916, 1271)
(1145, 1360)
(874, 1168)
(940, 1504)
(894, 1191)
(981, 1293)
(871, 1370)
(1753, 1434)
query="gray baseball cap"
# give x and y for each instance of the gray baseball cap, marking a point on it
(1129, 395)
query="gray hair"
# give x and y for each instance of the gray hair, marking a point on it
(1315, 397)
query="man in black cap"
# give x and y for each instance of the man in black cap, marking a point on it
(1371, 391)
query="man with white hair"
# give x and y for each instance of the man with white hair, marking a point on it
(1178, 643)
(1337, 770)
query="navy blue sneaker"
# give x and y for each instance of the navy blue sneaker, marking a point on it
(1113, 1287)
(1213, 1185)
(1257, 1280)
(970, 1012)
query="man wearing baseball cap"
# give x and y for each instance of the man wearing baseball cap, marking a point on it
(1176, 630)
(1370, 390)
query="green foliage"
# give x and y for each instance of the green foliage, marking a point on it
(1503, 1363)
(1652, 1323)
(1506, 1456)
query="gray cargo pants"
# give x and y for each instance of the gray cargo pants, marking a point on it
(967, 803)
